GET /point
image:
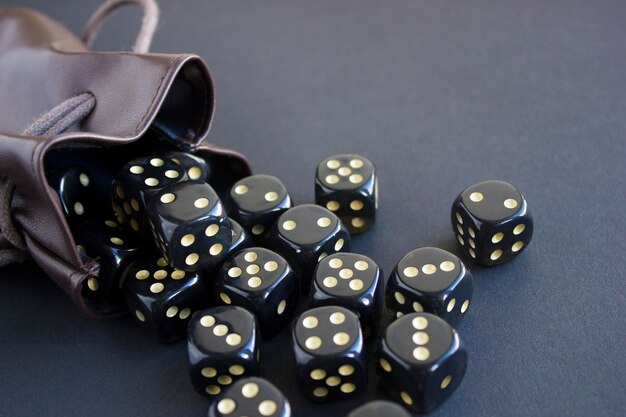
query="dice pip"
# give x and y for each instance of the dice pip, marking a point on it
(195, 167)
(251, 397)
(492, 222)
(421, 361)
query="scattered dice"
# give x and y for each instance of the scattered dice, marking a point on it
(492, 222)
(431, 280)
(347, 186)
(251, 397)
(240, 239)
(379, 409)
(352, 281)
(195, 167)
(257, 201)
(262, 282)
(222, 346)
(162, 299)
(190, 225)
(328, 347)
(421, 361)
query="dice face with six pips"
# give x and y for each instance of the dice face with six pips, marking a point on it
(162, 299)
(195, 167)
(347, 186)
(492, 222)
(250, 397)
(257, 201)
(352, 281)
(190, 225)
(328, 346)
(421, 361)
(222, 346)
(431, 280)
(305, 235)
(379, 409)
(262, 282)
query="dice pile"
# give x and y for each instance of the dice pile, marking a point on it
(185, 268)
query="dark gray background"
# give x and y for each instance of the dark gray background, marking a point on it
(440, 95)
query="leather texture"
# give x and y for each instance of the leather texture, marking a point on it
(42, 64)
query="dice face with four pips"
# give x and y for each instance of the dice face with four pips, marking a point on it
(421, 361)
(492, 222)
(222, 347)
(257, 201)
(250, 397)
(328, 346)
(347, 186)
(431, 280)
(379, 409)
(352, 281)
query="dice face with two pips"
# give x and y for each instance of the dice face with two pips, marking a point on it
(347, 186)
(250, 397)
(222, 347)
(190, 226)
(328, 346)
(492, 222)
(421, 361)
(431, 280)
(379, 409)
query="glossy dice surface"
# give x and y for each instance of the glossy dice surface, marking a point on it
(251, 397)
(306, 234)
(262, 282)
(347, 185)
(492, 222)
(379, 409)
(195, 167)
(431, 280)
(190, 225)
(162, 299)
(240, 239)
(222, 346)
(421, 361)
(352, 281)
(328, 346)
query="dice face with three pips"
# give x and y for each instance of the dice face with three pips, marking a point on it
(431, 280)
(492, 222)
(347, 186)
(421, 361)
(250, 397)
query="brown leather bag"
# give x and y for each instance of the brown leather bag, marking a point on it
(120, 96)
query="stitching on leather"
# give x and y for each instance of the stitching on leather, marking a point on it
(157, 94)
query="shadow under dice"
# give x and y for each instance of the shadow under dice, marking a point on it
(190, 226)
(262, 282)
(328, 347)
(257, 201)
(347, 186)
(492, 222)
(162, 299)
(251, 397)
(352, 281)
(421, 361)
(195, 167)
(431, 280)
(222, 347)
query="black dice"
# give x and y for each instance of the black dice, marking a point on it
(347, 186)
(306, 234)
(328, 347)
(257, 201)
(195, 167)
(262, 282)
(379, 409)
(240, 238)
(222, 346)
(352, 281)
(492, 222)
(430, 280)
(190, 225)
(421, 361)
(162, 299)
(251, 397)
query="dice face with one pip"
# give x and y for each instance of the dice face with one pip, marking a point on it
(328, 346)
(431, 280)
(251, 397)
(190, 225)
(492, 222)
(421, 361)
(379, 409)
(347, 186)
(222, 346)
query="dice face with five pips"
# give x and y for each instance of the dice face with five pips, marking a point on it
(347, 186)
(421, 361)
(250, 397)
(492, 222)
(431, 280)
